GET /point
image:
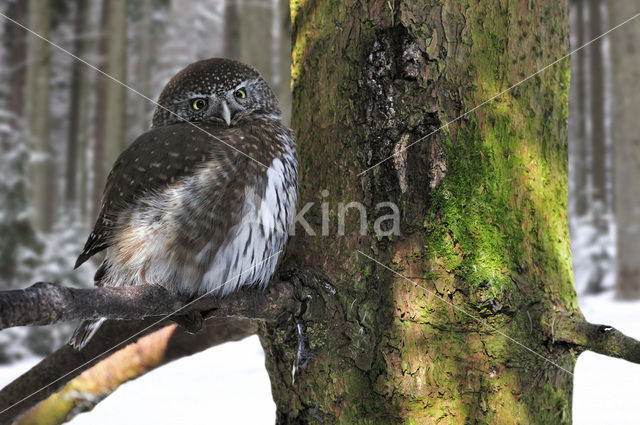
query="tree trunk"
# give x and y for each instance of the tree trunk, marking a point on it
(256, 46)
(231, 30)
(284, 59)
(598, 135)
(483, 216)
(110, 117)
(99, 171)
(17, 61)
(144, 67)
(259, 33)
(115, 139)
(87, 104)
(626, 146)
(38, 90)
(75, 96)
(578, 115)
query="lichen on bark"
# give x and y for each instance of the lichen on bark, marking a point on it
(483, 204)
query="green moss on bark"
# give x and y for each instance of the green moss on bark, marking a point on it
(483, 202)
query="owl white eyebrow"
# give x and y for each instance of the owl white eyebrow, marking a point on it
(246, 83)
(193, 95)
(130, 88)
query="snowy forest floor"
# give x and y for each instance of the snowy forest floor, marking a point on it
(605, 390)
(229, 382)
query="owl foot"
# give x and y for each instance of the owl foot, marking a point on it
(303, 354)
(192, 322)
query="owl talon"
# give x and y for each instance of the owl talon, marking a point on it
(191, 322)
(303, 354)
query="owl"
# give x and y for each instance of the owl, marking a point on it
(203, 201)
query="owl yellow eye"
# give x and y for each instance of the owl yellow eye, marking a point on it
(198, 104)
(240, 94)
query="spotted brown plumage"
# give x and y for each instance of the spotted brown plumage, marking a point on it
(203, 201)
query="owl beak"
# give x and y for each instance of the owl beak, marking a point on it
(225, 113)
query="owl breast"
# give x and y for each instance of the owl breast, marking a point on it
(188, 253)
(249, 254)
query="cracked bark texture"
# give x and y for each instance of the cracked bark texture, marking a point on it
(483, 215)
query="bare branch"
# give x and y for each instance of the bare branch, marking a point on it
(45, 303)
(585, 336)
(170, 343)
(66, 363)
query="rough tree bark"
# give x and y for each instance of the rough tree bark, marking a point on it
(483, 206)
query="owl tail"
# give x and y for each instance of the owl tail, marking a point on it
(84, 332)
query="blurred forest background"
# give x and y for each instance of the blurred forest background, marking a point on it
(62, 125)
(604, 149)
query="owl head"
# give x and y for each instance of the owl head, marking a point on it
(215, 90)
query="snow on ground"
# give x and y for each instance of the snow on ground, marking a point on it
(225, 385)
(606, 389)
(10, 372)
(229, 384)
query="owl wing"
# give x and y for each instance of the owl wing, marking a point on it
(153, 162)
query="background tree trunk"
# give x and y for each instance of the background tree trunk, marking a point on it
(86, 119)
(115, 135)
(284, 59)
(75, 95)
(256, 44)
(39, 64)
(17, 45)
(577, 114)
(231, 30)
(625, 128)
(144, 66)
(483, 205)
(99, 170)
(597, 109)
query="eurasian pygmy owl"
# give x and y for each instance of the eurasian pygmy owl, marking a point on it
(203, 201)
